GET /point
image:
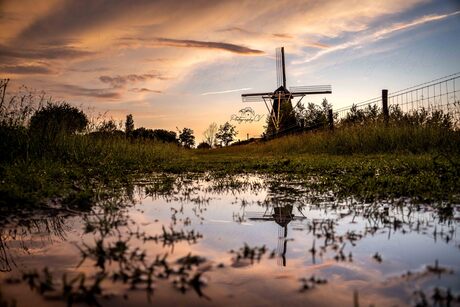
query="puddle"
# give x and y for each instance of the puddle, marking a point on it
(251, 240)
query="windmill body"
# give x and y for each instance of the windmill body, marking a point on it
(282, 118)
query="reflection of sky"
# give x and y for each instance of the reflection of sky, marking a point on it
(377, 282)
(196, 47)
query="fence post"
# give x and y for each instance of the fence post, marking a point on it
(330, 118)
(386, 113)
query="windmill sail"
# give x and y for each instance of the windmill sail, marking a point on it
(254, 97)
(280, 68)
(310, 90)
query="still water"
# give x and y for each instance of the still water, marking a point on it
(249, 240)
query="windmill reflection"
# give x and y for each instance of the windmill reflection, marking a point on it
(282, 215)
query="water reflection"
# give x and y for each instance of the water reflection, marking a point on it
(217, 237)
(281, 215)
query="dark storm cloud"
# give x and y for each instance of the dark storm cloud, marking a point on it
(76, 90)
(209, 45)
(120, 81)
(26, 69)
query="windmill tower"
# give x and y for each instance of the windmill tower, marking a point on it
(279, 102)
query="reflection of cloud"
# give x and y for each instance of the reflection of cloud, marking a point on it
(380, 34)
(120, 81)
(209, 45)
(227, 91)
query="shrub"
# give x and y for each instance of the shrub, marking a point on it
(54, 119)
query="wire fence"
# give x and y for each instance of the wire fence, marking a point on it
(442, 94)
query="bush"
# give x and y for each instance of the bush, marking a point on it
(204, 145)
(55, 119)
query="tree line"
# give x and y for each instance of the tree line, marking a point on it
(37, 117)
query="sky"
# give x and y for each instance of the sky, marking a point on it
(176, 64)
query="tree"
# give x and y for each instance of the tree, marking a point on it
(313, 116)
(210, 134)
(203, 145)
(54, 119)
(162, 135)
(226, 133)
(165, 136)
(186, 138)
(107, 126)
(129, 125)
(143, 133)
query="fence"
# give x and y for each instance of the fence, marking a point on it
(441, 94)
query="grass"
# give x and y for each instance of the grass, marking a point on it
(369, 162)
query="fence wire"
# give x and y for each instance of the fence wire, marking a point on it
(442, 94)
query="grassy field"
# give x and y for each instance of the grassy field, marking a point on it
(368, 162)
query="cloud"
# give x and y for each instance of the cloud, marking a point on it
(120, 81)
(183, 43)
(73, 17)
(239, 30)
(377, 35)
(227, 91)
(144, 90)
(41, 53)
(316, 45)
(247, 32)
(76, 90)
(406, 25)
(282, 35)
(26, 69)
(94, 69)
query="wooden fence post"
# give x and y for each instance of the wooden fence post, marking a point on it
(330, 118)
(386, 113)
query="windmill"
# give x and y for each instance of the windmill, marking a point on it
(279, 102)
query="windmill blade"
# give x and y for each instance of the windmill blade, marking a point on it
(279, 68)
(256, 97)
(310, 90)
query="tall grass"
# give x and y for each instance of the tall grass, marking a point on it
(371, 139)
(365, 132)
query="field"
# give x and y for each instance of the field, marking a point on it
(374, 201)
(376, 161)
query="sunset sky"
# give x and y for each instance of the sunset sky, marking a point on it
(186, 63)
